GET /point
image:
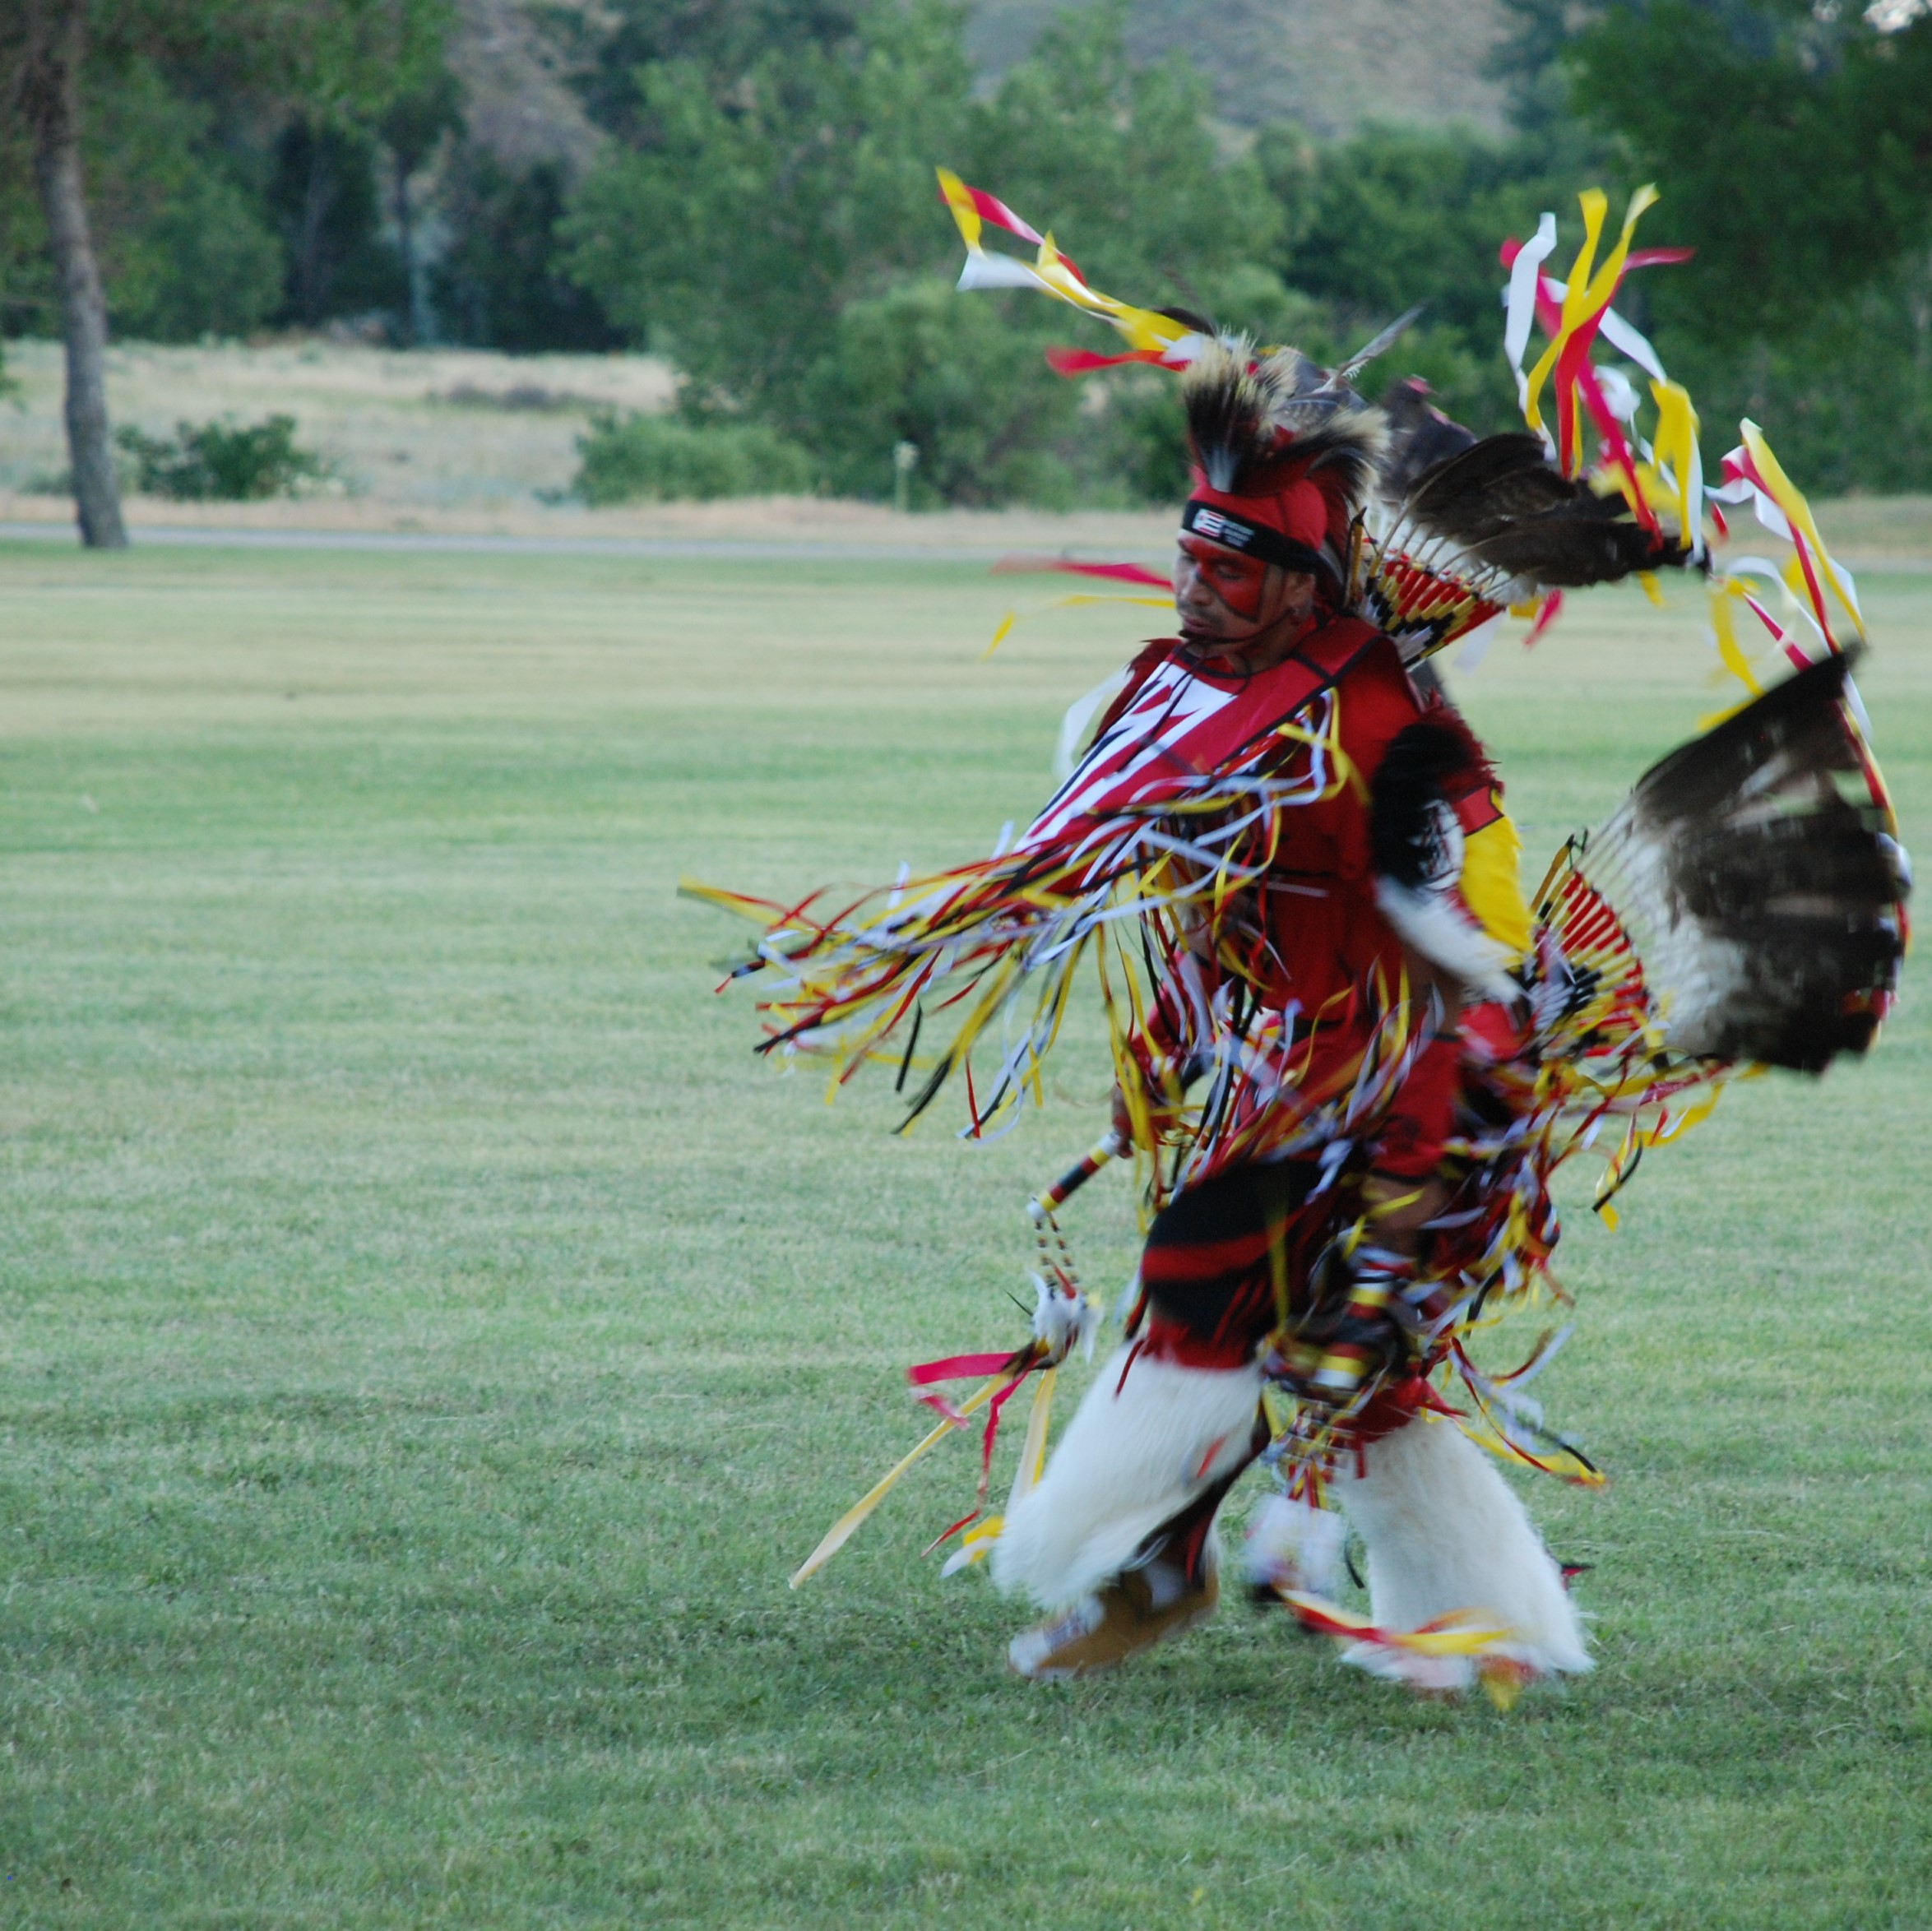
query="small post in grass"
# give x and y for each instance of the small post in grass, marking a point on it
(905, 461)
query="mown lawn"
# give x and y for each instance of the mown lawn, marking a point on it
(428, 1338)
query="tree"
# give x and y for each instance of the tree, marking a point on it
(963, 379)
(500, 283)
(185, 245)
(733, 233)
(335, 58)
(779, 234)
(719, 42)
(412, 126)
(1395, 216)
(47, 57)
(1529, 61)
(1795, 142)
(1125, 158)
(1792, 140)
(327, 203)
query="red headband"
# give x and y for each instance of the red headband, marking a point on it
(1288, 526)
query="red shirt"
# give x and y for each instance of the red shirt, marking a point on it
(1329, 957)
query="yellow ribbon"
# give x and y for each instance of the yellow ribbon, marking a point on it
(1788, 497)
(848, 1524)
(1588, 293)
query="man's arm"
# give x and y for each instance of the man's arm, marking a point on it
(1444, 861)
(1401, 1194)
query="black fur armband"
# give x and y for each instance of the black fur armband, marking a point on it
(1431, 765)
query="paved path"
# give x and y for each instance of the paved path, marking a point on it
(803, 550)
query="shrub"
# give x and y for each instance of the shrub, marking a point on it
(960, 377)
(500, 282)
(664, 459)
(223, 462)
(212, 268)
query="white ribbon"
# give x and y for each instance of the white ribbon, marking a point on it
(1521, 305)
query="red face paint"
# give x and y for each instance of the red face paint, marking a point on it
(1237, 580)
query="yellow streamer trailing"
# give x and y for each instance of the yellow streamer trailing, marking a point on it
(1146, 329)
(848, 1524)
(1587, 296)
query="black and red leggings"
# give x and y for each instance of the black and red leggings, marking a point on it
(1225, 1259)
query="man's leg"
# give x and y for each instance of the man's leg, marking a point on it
(1444, 1532)
(1119, 1534)
(1144, 1572)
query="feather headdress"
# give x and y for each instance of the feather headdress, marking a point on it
(1258, 421)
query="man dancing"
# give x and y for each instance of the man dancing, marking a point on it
(1388, 902)
(1348, 1059)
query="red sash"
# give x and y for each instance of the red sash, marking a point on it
(1176, 725)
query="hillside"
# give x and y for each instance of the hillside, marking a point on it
(1330, 67)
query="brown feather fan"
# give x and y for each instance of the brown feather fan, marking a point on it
(1498, 511)
(1757, 873)
(1501, 503)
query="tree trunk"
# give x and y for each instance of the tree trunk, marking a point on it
(50, 81)
(414, 306)
(311, 276)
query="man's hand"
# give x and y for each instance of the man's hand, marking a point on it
(1349, 1335)
(1398, 1210)
(1120, 1119)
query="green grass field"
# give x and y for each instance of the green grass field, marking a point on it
(431, 1338)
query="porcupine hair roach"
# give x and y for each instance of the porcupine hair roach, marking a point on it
(1256, 423)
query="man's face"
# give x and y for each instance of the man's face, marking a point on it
(1227, 600)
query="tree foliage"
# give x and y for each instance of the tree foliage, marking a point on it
(326, 201)
(734, 232)
(1125, 159)
(1395, 217)
(186, 246)
(782, 239)
(196, 115)
(718, 44)
(500, 282)
(335, 60)
(1795, 143)
(964, 380)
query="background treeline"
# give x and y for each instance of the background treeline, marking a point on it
(752, 197)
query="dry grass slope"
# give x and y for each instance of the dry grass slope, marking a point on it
(434, 430)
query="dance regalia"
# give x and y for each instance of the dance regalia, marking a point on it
(1273, 875)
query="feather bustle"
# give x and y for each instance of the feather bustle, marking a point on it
(1766, 904)
(1511, 517)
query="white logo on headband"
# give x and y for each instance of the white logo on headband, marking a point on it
(1212, 524)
